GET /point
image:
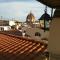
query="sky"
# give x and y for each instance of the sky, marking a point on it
(19, 9)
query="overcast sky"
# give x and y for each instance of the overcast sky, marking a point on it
(19, 9)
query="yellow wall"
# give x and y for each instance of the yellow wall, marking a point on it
(54, 38)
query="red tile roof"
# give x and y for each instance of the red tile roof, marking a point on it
(14, 48)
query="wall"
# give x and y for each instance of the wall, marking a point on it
(54, 38)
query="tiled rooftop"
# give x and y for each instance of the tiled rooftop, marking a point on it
(14, 48)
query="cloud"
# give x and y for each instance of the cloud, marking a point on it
(16, 0)
(20, 10)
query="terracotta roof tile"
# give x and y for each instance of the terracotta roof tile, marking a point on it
(13, 48)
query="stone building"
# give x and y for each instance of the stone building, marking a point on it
(4, 25)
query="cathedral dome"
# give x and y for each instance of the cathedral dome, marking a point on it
(30, 18)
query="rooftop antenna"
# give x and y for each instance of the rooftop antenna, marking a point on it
(1, 17)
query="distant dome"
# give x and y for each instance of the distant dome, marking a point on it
(30, 18)
(45, 16)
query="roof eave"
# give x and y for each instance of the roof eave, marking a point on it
(45, 3)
